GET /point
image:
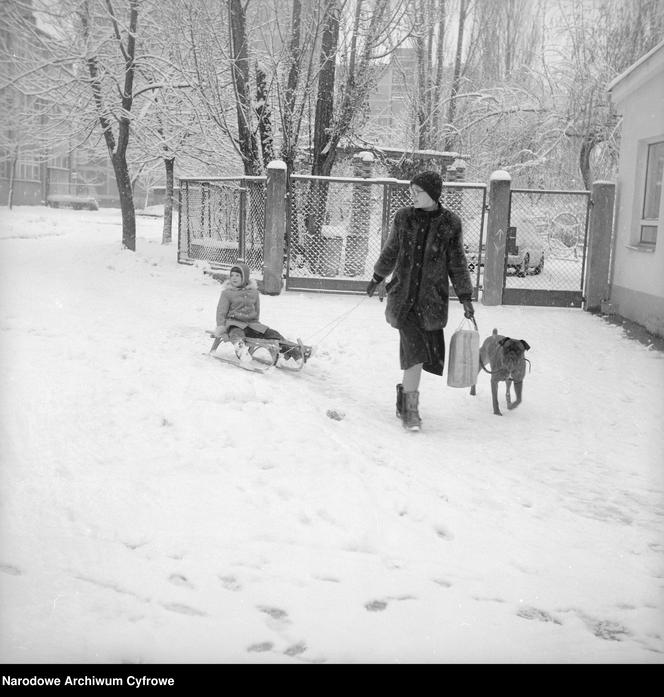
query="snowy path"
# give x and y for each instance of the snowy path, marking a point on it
(160, 506)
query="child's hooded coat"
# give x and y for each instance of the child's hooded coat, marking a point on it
(240, 307)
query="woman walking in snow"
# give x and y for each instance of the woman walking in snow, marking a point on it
(423, 249)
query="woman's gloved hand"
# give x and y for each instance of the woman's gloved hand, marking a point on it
(373, 284)
(468, 309)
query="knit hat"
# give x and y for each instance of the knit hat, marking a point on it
(241, 268)
(431, 182)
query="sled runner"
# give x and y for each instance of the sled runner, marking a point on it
(253, 365)
(290, 355)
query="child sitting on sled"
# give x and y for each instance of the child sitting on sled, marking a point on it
(238, 314)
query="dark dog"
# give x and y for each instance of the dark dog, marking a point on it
(507, 361)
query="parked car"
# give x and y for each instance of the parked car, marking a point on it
(524, 256)
(474, 257)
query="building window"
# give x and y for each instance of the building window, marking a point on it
(28, 167)
(652, 195)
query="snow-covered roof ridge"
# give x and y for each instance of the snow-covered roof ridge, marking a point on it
(655, 57)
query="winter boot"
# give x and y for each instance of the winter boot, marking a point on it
(293, 352)
(242, 352)
(399, 400)
(409, 414)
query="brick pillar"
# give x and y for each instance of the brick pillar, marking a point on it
(596, 285)
(275, 228)
(452, 197)
(456, 172)
(357, 242)
(496, 237)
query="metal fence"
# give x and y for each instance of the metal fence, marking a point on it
(547, 237)
(221, 220)
(338, 226)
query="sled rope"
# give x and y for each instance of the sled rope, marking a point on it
(333, 324)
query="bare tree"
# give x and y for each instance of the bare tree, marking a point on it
(124, 30)
(326, 88)
(373, 34)
(605, 37)
(456, 78)
(239, 56)
(84, 70)
(264, 116)
(290, 130)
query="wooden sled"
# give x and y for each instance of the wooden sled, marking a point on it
(291, 355)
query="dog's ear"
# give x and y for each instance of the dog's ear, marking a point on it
(526, 345)
(503, 340)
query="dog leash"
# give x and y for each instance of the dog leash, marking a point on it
(486, 370)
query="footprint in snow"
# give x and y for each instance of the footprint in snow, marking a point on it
(533, 613)
(230, 583)
(380, 605)
(328, 579)
(183, 609)
(442, 582)
(443, 533)
(10, 569)
(608, 630)
(489, 599)
(263, 646)
(278, 617)
(296, 649)
(180, 580)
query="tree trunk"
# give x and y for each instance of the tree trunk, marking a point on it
(456, 79)
(264, 115)
(126, 201)
(440, 62)
(588, 144)
(326, 81)
(289, 138)
(117, 152)
(422, 74)
(12, 179)
(167, 234)
(290, 133)
(240, 69)
(356, 86)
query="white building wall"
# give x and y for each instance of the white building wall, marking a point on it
(637, 283)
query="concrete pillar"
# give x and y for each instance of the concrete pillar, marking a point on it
(496, 237)
(598, 253)
(275, 228)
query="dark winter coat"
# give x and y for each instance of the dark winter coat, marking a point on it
(240, 307)
(423, 250)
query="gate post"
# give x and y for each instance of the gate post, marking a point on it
(496, 237)
(275, 228)
(596, 286)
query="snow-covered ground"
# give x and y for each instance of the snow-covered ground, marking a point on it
(160, 506)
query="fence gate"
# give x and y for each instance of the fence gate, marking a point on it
(546, 248)
(337, 227)
(222, 220)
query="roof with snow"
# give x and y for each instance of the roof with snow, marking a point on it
(638, 73)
